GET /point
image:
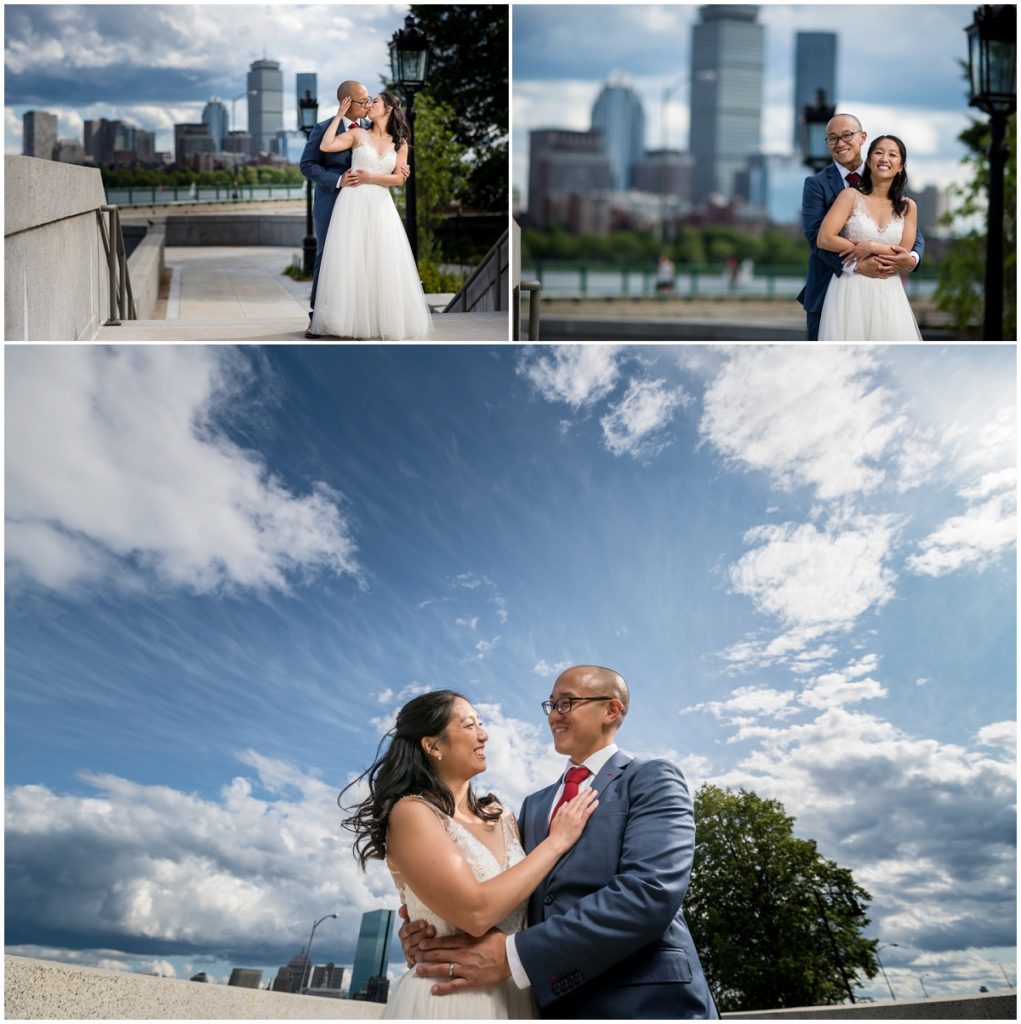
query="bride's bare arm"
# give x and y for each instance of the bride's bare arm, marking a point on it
(907, 239)
(829, 237)
(429, 861)
(332, 142)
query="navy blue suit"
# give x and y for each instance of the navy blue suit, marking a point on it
(606, 936)
(325, 170)
(817, 197)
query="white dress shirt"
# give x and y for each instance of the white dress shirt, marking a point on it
(594, 763)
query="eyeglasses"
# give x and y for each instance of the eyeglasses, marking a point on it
(564, 705)
(363, 103)
(832, 140)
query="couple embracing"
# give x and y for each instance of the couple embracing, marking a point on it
(365, 284)
(570, 911)
(863, 232)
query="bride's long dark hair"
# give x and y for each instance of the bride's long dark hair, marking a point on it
(900, 180)
(397, 126)
(402, 769)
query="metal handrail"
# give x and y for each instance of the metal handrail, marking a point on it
(492, 257)
(122, 301)
(534, 289)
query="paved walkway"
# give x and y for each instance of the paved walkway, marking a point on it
(220, 293)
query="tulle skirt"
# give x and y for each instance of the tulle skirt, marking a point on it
(368, 282)
(412, 999)
(859, 308)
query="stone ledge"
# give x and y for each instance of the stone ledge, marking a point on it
(983, 1006)
(46, 990)
(39, 192)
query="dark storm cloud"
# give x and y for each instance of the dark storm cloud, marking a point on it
(82, 87)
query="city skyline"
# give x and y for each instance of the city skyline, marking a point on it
(228, 568)
(562, 51)
(207, 52)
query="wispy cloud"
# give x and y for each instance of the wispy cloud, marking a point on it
(636, 424)
(120, 472)
(579, 375)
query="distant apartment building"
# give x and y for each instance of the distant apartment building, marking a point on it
(245, 977)
(191, 140)
(562, 164)
(39, 134)
(664, 172)
(727, 59)
(372, 954)
(69, 151)
(265, 103)
(932, 204)
(239, 143)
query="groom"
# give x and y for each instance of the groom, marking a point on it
(607, 936)
(327, 170)
(845, 138)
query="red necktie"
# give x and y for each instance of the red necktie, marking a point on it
(853, 178)
(574, 778)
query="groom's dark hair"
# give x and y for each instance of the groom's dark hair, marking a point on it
(346, 88)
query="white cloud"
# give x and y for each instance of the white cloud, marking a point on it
(635, 424)
(471, 623)
(579, 375)
(817, 578)
(748, 700)
(119, 472)
(551, 669)
(999, 734)
(922, 681)
(977, 537)
(485, 647)
(835, 689)
(806, 416)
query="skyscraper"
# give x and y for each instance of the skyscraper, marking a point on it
(39, 134)
(372, 953)
(815, 67)
(563, 163)
(618, 114)
(214, 116)
(727, 56)
(265, 103)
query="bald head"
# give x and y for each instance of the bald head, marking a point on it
(351, 88)
(598, 680)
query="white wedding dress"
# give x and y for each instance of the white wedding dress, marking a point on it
(412, 998)
(859, 308)
(369, 286)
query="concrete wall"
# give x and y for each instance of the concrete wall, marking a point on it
(990, 1006)
(43, 989)
(235, 229)
(145, 265)
(56, 284)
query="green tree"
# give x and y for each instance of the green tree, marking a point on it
(468, 48)
(775, 923)
(961, 289)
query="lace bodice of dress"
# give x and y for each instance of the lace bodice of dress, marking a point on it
(365, 158)
(861, 227)
(483, 864)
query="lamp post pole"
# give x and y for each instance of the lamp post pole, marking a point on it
(409, 55)
(308, 109)
(306, 978)
(668, 91)
(992, 65)
(883, 969)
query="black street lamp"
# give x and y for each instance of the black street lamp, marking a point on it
(992, 71)
(308, 108)
(814, 151)
(409, 55)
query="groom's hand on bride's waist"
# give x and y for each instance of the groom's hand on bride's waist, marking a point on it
(475, 962)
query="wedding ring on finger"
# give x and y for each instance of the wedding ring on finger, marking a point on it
(450, 970)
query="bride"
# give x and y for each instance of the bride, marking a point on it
(877, 220)
(368, 282)
(455, 858)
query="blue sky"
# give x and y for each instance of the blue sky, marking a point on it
(157, 65)
(226, 569)
(563, 54)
